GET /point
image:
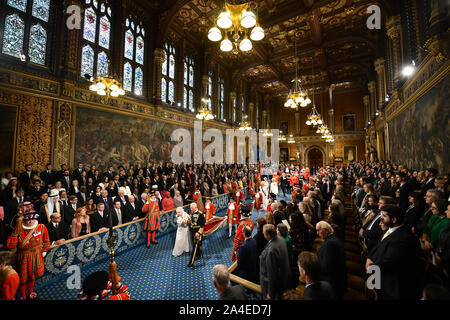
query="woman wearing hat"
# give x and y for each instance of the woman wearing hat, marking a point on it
(29, 241)
(246, 212)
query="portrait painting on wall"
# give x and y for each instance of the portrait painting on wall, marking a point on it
(349, 122)
(284, 127)
(7, 136)
(350, 153)
(284, 154)
(107, 138)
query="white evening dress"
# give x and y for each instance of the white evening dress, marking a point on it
(183, 238)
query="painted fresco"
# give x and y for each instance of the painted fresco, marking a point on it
(104, 138)
(419, 137)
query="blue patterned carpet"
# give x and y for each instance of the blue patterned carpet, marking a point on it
(154, 274)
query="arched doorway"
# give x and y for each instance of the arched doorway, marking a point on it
(315, 158)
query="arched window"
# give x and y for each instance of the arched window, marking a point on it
(209, 91)
(134, 53)
(168, 74)
(234, 110)
(188, 84)
(221, 98)
(96, 39)
(26, 29)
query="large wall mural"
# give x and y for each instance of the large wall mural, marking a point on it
(105, 138)
(419, 137)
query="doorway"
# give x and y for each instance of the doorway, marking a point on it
(315, 158)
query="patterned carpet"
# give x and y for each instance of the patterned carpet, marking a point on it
(154, 274)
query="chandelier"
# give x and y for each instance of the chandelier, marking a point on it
(107, 86)
(245, 126)
(297, 95)
(291, 139)
(314, 118)
(204, 114)
(282, 138)
(238, 26)
(267, 133)
(322, 129)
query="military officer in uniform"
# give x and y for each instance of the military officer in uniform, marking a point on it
(196, 224)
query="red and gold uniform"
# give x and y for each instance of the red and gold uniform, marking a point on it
(197, 196)
(251, 189)
(232, 213)
(210, 210)
(152, 223)
(9, 283)
(29, 245)
(239, 238)
(238, 197)
(121, 293)
(259, 197)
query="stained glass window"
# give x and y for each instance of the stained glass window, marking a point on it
(186, 74)
(163, 90)
(105, 32)
(13, 35)
(90, 25)
(188, 81)
(171, 66)
(168, 74)
(26, 31)
(18, 4)
(140, 50)
(41, 9)
(221, 98)
(38, 41)
(127, 77)
(102, 65)
(96, 35)
(134, 54)
(171, 95)
(185, 98)
(87, 61)
(191, 100)
(129, 45)
(138, 81)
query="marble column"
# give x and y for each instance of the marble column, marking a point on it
(394, 32)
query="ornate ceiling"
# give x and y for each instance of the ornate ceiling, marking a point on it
(331, 33)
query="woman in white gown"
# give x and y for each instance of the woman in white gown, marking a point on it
(183, 238)
(274, 187)
(265, 190)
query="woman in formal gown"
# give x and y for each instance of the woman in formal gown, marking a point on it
(183, 238)
(265, 190)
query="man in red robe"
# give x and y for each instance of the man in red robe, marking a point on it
(245, 222)
(97, 286)
(9, 279)
(232, 215)
(197, 196)
(259, 197)
(151, 209)
(210, 210)
(29, 242)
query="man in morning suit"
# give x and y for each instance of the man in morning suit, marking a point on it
(332, 259)
(196, 223)
(310, 270)
(247, 259)
(274, 268)
(221, 280)
(395, 255)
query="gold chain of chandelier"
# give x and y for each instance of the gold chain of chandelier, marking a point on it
(239, 25)
(297, 95)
